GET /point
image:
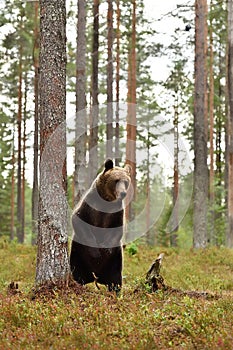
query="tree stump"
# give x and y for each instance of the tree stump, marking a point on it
(153, 278)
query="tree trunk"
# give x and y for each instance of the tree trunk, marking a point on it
(131, 112)
(211, 137)
(109, 146)
(20, 234)
(200, 141)
(12, 234)
(24, 154)
(35, 188)
(117, 129)
(81, 122)
(175, 223)
(52, 258)
(94, 116)
(229, 239)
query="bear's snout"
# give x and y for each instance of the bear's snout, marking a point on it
(123, 195)
(121, 190)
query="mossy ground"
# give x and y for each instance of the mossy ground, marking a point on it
(137, 319)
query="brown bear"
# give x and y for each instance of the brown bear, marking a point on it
(98, 221)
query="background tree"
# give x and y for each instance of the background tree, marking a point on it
(131, 126)
(52, 257)
(109, 144)
(81, 122)
(93, 139)
(230, 125)
(35, 187)
(200, 134)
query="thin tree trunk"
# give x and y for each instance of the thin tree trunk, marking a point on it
(13, 190)
(94, 115)
(19, 160)
(35, 188)
(211, 136)
(200, 141)
(175, 223)
(117, 130)
(148, 213)
(131, 112)
(24, 154)
(109, 146)
(229, 237)
(81, 123)
(52, 258)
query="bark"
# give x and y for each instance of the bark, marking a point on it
(20, 234)
(175, 224)
(24, 154)
(200, 141)
(131, 126)
(109, 146)
(211, 135)
(52, 258)
(148, 213)
(13, 191)
(229, 237)
(117, 130)
(35, 188)
(93, 138)
(81, 123)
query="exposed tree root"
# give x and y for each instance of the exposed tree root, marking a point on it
(52, 289)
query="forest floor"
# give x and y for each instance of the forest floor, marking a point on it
(137, 319)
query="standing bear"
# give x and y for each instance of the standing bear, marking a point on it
(98, 222)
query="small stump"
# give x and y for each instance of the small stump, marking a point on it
(153, 278)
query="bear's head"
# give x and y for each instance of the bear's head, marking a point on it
(112, 184)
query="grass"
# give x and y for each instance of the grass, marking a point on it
(97, 319)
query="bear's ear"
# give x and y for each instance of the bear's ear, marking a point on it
(108, 164)
(128, 168)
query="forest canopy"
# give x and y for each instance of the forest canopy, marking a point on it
(175, 133)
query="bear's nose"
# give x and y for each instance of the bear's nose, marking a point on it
(123, 194)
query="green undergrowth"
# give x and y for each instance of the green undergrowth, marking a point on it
(137, 319)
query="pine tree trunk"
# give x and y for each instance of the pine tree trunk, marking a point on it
(12, 234)
(148, 213)
(229, 237)
(19, 160)
(35, 188)
(131, 112)
(175, 223)
(211, 137)
(52, 258)
(200, 141)
(24, 154)
(93, 138)
(81, 122)
(117, 130)
(109, 146)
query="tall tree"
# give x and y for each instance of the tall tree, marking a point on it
(230, 125)
(211, 128)
(200, 137)
(93, 139)
(174, 237)
(109, 145)
(81, 123)
(52, 257)
(35, 188)
(20, 228)
(131, 126)
(117, 129)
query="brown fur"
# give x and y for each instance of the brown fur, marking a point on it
(98, 221)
